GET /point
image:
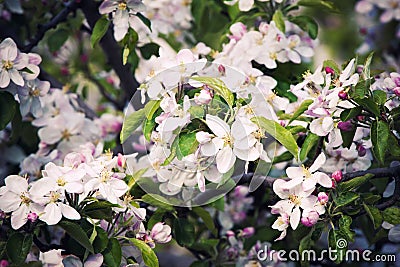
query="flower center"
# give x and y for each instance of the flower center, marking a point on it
(122, 6)
(61, 181)
(306, 74)
(273, 55)
(292, 44)
(259, 134)
(7, 64)
(295, 199)
(228, 140)
(306, 172)
(66, 135)
(54, 196)
(105, 175)
(35, 92)
(24, 199)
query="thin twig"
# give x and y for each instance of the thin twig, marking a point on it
(71, 6)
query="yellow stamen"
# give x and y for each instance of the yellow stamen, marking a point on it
(7, 65)
(122, 6)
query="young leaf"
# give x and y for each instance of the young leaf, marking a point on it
(392, 215)
(57, 39)
(346, 198)
(148, 255)
(307, 24)
(354, 183)
(157, 201)
(184, 232)
(76, 232)
(149, 50)
(367, 68)
(131, 123)
(310, 141)
(18, 247)
(279, 20)
(380, 97)
(281, 134)
(145, 20)
(7, 109)
(374, 214)
(187, 144)
(113, 253)
(125, 55)
(300, 110)
(344, 226)
(349, 114)
(207, 219)
(99, 30)
(379, 137)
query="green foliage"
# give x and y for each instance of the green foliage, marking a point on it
(75, 231)
(307, 24)
(207, 219)
(279, 20)
(8, 108)
(99, 30)
(149, 50)
(310, 141)
(131, 123)
(219, 87)
(113, 253)
(57, 39)
(18, 246)
(301, 109)
(148, 255)
(379, 137)
(184, 232)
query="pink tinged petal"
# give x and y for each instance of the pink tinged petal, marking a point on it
(108, 6)
(52, 214)
(9, 202)
(282, 236)
(185, 56)
(294, 57)
(309, 183)
(293, 183)
(278, 188)
(119, 187)
(4, 78)
(386, 16)
(43, 186)
(8, 49)
(294, 172)
(295, 218)
(49, 135)
(35, 72)
(318, 163)
(201, 182)
(16, 77)
(16, 184)
(95, 260)
(245, 5)
(305, 51)
(363, 7)
(212, 174)
(225, 160)
(69, 212)
(218, 126)
(19, 217)
(346, 72)
(323, 179)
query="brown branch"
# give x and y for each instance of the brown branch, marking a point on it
(112, 51)
(71, 6)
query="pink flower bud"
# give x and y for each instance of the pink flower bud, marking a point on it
(230, 233)
(329, 70)
(343, 95)
(323, 198)
(121, 160)
(337, 175)
(64, 71)
(360, 117)
(162, 117)
(241, 192)
(4, 263)
(309, 218)
(247, 232)
(237, 29)
(221, 69)
(32, 217)
(361, 150)
(396, 91)
(204, 98)
(263, 28)
(2, 214)
(345, 126)
(84, 58)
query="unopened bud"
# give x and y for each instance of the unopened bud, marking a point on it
(345, 126)
(337, 175)
(329, 70)
(343, 95)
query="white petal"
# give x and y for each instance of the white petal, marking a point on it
(295, 218)
(225, 159)
(69, 212)
(218, 126)
(52, 214)
(19, 217)
(319, 161)
(323, 179)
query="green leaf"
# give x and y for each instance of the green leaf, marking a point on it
(99, 210)
(99, 30)
(379, 137)
(392, 215)
(155, 218)
(148, 127)
(369, 105)
(345, 199)
(149, 50)
(207, 219)
(367, 69)
(307, 24)
(157, 201)
(281, 134)
(328, 5)
(219, 204)
(219, 87)
(173, 152)
(374, 214)
(349, 114)
(310, 141)
(131, 123)
(187, 144)
(279, 20)
(300, 110)
(359, 91)
(57, 39)
(354, 183)
(344, 226)
(305, 244)
(285, 156)
(113, 253)
(380, 97)
(336, 240)
(148, 255)
(100, 243)
(184, 232)
(348, 137)
(76, 232)
(145, 20)
(135, 177)
(206, 245)
(394, 146)
(151, 107)
(196, 112)
(8, 107)
(18, 247)
(333, 65)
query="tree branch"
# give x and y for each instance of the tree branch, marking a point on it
(57, 19)
(112, 51)
(378, 173)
